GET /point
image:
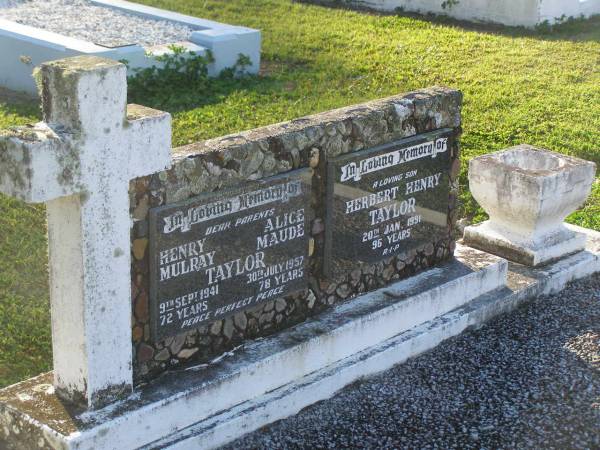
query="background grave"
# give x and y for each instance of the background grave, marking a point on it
(528, 13)
(38, 31)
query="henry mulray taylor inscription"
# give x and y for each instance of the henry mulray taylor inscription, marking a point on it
(217, 254)
(387, 200)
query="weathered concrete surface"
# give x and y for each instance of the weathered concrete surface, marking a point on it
(80, 161)
(242, 379)
(527, 193)
(525, 380)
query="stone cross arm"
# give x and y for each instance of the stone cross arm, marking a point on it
(79, 162)
(30, 160)
(40, 163)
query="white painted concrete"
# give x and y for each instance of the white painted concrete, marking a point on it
(527, 193)
(23, 47)
(551, 10)
(81, 167)
(226, 42)
(553, 278)
(526, 13)
(513, 247)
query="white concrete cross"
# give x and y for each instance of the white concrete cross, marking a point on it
(79, 162)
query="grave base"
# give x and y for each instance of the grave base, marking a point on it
(484, 237)
(273, 378)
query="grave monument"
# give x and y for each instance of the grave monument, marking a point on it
(331, 238)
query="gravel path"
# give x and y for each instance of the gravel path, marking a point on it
(103, 26)
(530, 379)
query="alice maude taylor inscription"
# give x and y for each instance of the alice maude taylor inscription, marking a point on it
(387, 200)
(219, 253)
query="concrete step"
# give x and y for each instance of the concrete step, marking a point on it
(270, 379)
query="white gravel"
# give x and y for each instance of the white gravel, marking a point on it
(527, 380)
(104, 26)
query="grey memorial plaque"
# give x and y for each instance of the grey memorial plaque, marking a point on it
(220, 253)
(386, 200)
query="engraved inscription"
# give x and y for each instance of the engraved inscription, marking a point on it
(216, 254)
(386, 201)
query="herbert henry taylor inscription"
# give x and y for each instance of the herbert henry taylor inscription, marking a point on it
(387, 200)
(216, 254)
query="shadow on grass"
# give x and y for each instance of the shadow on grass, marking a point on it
(572, 29)
(275, 76)
(169, 98)
(19, 104)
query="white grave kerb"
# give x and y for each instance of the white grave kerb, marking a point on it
(79, 161)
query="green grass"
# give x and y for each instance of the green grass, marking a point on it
(519, 86)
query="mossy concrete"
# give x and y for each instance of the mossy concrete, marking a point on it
(79, 162)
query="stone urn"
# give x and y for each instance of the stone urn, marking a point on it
(527, 193)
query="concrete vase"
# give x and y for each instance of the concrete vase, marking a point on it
(527, 193)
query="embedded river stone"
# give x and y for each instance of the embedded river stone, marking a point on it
(217, 254)
(387, 200)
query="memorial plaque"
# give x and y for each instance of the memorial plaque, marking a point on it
(217, 254)
(386, 200)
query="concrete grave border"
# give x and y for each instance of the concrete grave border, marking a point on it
(345, 331)
(24, 47)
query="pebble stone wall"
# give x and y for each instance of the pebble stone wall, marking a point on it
(306, 142)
